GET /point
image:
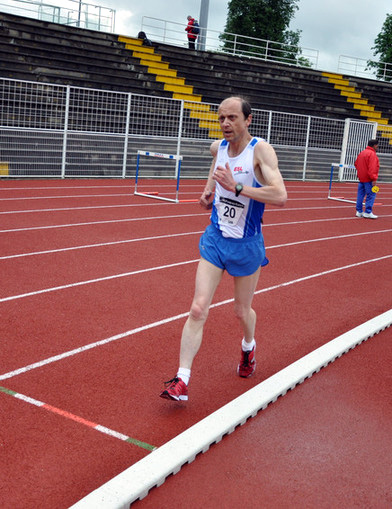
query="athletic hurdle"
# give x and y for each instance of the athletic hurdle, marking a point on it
(347, 173)
(178, 160)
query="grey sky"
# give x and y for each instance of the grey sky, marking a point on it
(334, 27)
(341, 27)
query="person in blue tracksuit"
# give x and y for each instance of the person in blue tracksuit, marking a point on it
(367, 165)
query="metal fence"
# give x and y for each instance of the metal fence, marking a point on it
(58, 131)
(365, 68)
(173, 33)
(66, 12)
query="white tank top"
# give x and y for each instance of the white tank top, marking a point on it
(237, 217)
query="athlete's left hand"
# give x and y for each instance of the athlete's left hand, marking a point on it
(224, 177)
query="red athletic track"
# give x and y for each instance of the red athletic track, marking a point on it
(326, 444)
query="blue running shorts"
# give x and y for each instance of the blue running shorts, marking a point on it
(240, 257)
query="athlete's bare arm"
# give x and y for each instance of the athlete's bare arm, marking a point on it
(207, 196)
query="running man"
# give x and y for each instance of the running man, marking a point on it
(245, 176)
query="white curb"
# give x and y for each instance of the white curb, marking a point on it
(136, 481)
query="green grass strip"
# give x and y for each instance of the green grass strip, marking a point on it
(8, 391)
(140, 444)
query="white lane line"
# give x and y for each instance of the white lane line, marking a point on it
(124, 186)
(172, 235)
(185, 184)
(130, 187)
(101, 244)
(179, 216)
(96, 207)
(127, 205)
(151, 471)
(90, 346)
(177, 317)
(89, 223)
(98, 280)
(151, 269)
(76, 418)
(336, 237)
(128, 195)
(76, 196)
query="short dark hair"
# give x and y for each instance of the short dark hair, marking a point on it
(372, 143)
(246, 107)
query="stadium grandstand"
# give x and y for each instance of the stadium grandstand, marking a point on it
(55, 78)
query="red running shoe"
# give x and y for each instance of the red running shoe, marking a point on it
(247, 365)
(176, 389)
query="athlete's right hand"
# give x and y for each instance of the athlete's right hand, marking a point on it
(206, 200)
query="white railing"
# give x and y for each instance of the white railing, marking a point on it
(363, 68)
(233, 44)
(67, 12)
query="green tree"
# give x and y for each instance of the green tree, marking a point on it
(383, 49)
(290, 51)
(262, 19)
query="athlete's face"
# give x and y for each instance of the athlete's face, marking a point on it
(232, 122)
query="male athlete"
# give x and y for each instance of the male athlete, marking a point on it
(245, 176)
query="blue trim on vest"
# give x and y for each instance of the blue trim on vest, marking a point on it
(255, 207)
(253, 142)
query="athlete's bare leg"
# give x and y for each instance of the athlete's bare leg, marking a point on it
(208, 277)
(244, 289)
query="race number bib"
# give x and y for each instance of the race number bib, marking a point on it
(229, 211)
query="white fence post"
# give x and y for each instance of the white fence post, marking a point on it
(306, 149)
(269, 127)
(124, 168)
(64, 153)
(179, 137)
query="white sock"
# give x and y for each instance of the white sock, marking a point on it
(247, 347)
(184, 374)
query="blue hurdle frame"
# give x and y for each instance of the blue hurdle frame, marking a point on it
(341, 169)
(178, 160)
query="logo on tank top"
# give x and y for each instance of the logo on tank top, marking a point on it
(238, 169)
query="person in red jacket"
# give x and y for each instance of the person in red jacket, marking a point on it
(367, 166)
(191, 36)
